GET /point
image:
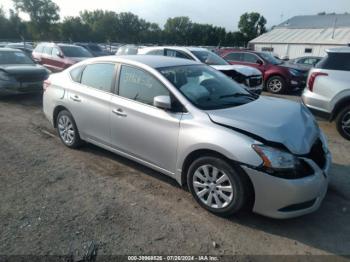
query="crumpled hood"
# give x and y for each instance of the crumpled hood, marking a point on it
(244, 70)
(274, 120)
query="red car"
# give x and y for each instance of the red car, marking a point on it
(279, 76)
(57, 57)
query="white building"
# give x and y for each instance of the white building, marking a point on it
(305, 36)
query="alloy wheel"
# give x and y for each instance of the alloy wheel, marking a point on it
(275, 85)
(345, 124)
(66, 129)
(212, 186)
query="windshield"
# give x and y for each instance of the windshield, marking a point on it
(95, 48)
(14, 57)
(206, 87)
(209, 58)
(270, 58)
(75, 51)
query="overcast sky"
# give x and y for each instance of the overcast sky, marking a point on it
(223, 13)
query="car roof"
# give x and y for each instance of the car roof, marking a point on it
(339, 50)
(180, 48)
(151, 61)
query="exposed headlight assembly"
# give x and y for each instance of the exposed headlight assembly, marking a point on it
(275, 159)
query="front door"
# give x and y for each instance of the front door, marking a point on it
(137, 127)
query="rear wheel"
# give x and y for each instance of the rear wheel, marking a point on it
(276, 85)
(217, 186)
(67, 129)
(343, 123)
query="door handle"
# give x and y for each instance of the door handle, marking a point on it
(75, 98)
(119, 112)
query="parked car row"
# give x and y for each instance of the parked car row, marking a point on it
(248, 76)
(279, 76)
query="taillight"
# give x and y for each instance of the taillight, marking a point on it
(312, 79)
(46, 85)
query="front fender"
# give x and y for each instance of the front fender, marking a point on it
(206, 135)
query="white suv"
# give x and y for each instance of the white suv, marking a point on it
(328, 89)
(249, 77)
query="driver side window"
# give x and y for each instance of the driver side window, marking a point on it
(138, 85)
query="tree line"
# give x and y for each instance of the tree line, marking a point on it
(125, 27)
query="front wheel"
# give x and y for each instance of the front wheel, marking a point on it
(343, 123)
(217, 186)
(276, 85)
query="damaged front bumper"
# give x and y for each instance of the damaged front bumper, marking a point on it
(286, 198)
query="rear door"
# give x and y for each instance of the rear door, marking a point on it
(89, 101)
(137, 127)
(46, 58)
(56, 61)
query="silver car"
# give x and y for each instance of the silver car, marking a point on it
(189, 121)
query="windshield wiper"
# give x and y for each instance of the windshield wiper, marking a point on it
(237, 95)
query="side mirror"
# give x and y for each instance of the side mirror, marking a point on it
(162, 102)
(259, 62)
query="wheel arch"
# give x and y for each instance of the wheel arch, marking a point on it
(339, 106)
(56, 111)
(273, 75)
(207, 152)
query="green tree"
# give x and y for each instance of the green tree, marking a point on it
(177, 30)
(252, 25)
(42, 13)
(73, 29)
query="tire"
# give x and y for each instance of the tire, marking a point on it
(343, 122)
(227, 177)
(67, 130)
(276, 85)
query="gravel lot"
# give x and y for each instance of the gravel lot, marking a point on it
(55, 200)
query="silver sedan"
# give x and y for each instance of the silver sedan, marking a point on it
(232, 149)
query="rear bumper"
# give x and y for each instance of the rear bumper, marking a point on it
(286, 198)
(318, 104)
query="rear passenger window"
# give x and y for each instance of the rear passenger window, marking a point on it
(76, 73)
(48, 50)
(140, 86)
(335, 61)
(156, 52)
(99, 76)
(174, 53)
(39, 49)
(234, 57)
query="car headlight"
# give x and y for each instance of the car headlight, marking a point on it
(276, 159)
(295, 72)
(4, 76)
